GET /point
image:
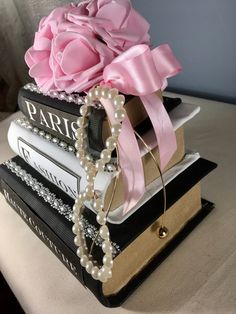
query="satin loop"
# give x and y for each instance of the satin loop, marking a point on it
(141, 72)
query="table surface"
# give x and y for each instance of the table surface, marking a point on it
(199, 276)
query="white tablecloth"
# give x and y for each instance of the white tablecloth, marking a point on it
(199, 276)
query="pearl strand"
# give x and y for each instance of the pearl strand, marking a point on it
(104, 272)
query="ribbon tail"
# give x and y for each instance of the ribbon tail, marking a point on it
(130, 161)
(162, 126)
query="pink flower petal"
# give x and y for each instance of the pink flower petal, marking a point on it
(77, 57)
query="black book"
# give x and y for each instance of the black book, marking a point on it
(58, 116)
(47, 211)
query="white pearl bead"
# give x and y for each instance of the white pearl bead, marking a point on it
(107, 260)
(105, 155)
(79, 144)
(98, 204)
(106, 271)
(82, 122)
(80, 252)
(101, 276)
(100, 165)
(101, 218)
(91, 93)
(104, 232)
(94, 272)
(75, 229)
(111, 143)
(116, 129)
(83, 162)
(74, 218)
(120, 114)
(90, 177)
(119, 101)
(80, 153)
(112, 93)
(89, 191)
(89, 266)
(83, 110)
(97, 91)
(78, 241)
(79, 133)
(83, 260)
(106, 246)
(87, 100)
(104, 92)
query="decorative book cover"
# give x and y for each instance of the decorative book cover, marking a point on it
(54, 209)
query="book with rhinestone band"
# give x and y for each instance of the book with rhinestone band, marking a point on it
(48, 213)
(57, 114)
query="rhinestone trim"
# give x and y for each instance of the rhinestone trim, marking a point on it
(24, 122)
(75, 98)
(89, 230)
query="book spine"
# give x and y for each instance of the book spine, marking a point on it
(43, 232)
(59, 122)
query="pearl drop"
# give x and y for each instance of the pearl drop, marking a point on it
(112, 93)
(89, 266)
(106, 246)
(101, 218)
(77, 241)
(119, 101)
(94, 272)
(107, 260)
(120, 114)
(75, 229)
(111, 143)
(100, 165)
(116, 129)
(106, 271)
(101, 276)
(98, 204)
(104, 92)
(105, 155)
(104, 232)
(83, 110)
(97, 91)
(80, 252)
(83, 260)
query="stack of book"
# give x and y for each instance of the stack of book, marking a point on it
(43, 181)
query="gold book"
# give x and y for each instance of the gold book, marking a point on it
(148, 244)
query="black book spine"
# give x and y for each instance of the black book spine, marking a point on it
(43, 231)
(58, 117)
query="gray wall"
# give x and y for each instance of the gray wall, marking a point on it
(203, 36)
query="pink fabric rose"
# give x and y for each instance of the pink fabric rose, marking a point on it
(115, 22)
(66, 56)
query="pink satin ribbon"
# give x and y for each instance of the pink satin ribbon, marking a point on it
(141, 72)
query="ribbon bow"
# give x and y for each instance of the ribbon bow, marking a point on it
(141, 72)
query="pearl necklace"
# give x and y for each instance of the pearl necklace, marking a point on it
(104, 272)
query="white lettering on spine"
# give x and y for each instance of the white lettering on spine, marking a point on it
(31, 109)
